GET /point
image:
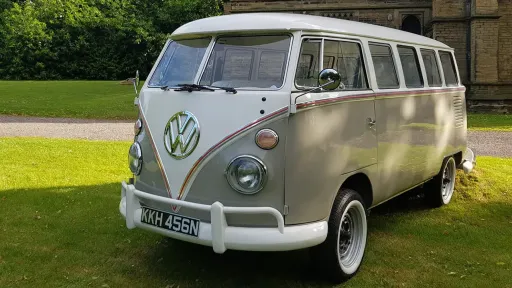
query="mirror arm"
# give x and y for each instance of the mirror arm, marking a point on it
(136, 82)
(294, 106)
(135, 87)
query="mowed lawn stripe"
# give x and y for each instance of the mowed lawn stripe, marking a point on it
(73, 99)
(60, 227)
(490, 122)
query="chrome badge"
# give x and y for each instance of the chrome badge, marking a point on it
(181, 134)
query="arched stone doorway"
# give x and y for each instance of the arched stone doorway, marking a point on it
(411, 24)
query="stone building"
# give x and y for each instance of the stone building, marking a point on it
(478, 30)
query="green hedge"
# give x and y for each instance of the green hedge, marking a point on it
(89, 39)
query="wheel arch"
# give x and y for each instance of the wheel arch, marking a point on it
(360, 183)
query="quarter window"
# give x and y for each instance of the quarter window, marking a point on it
(450, 77)
(430, 62)
(384, 65)
(308, 67)
(410, 67)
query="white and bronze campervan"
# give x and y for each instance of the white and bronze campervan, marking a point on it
(271, 132)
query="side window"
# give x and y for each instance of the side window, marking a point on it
(450, 76)
(430, 62)
(384, 65)
(410, 66)
(347, 59)
(308, 67)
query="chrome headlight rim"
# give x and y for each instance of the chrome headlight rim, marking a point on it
(135, 153)
(233, 182)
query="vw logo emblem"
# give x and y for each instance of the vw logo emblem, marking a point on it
(181, 134)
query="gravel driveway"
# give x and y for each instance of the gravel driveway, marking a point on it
(489, 143)
(12, 126)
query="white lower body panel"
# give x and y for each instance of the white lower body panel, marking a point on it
(218, 234)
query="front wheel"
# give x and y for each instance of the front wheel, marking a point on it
(341, 254)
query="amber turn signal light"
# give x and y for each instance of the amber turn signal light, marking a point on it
(267, 139)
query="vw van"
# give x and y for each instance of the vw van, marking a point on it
(275, 131)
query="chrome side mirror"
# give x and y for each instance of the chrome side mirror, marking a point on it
(329, 79)
(136, 82)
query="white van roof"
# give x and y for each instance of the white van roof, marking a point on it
(295, 22)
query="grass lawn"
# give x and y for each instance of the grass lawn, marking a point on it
(60, 227)
(490, 122)
(73, 99)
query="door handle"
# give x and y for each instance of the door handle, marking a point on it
(371, 122)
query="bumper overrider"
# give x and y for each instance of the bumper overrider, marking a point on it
(218, 234)
(468, 161)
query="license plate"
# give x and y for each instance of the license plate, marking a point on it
(170, 221)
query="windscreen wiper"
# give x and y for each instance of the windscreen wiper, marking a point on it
(195, 87)
(192, 87)
(227, 89)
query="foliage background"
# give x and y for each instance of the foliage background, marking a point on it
(89, 39)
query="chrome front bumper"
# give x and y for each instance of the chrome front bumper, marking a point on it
(218, 234)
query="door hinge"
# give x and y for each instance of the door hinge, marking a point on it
(285, 210)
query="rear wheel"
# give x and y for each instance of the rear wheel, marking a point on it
(439, 190)
(341, 254)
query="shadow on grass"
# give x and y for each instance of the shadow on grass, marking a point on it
(191, 263)
(408, 202)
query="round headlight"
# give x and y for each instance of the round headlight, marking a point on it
(137, 127)
(135, 158)
(246, 174)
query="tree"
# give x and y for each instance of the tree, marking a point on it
(89, 39)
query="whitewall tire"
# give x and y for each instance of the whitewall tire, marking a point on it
(342, 252)
(439, 190)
